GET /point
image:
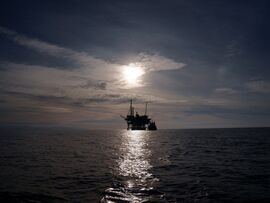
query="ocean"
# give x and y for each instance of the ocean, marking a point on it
(72, 165)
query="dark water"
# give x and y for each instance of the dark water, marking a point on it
(62, 165)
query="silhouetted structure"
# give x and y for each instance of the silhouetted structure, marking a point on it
(137, 122)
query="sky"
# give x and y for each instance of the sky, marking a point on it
(199, 64)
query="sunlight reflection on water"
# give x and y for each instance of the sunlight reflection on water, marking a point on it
(134, 160)
(133, 168)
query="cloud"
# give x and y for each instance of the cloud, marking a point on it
(92, 67)
(91, 87)
(156, 62)
(63, 87)
(225, 90)
(43, 82)
(233, 49)
(82, 58)
(258, 86)
(97, 85)
(54, 109)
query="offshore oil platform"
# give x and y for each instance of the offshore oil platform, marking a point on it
(137, 122)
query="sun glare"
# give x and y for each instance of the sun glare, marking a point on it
(132, 73)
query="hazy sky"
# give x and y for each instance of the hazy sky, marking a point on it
(201, 63)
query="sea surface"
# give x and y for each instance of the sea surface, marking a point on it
(71, 165)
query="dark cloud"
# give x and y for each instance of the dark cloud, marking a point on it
(91, 84)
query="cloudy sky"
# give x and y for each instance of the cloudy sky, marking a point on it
(77, 63)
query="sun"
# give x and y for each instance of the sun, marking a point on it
(132, 73)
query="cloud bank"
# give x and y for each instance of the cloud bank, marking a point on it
(91, 82)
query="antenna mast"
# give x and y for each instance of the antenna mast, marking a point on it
(131, 108)
(145, 112)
